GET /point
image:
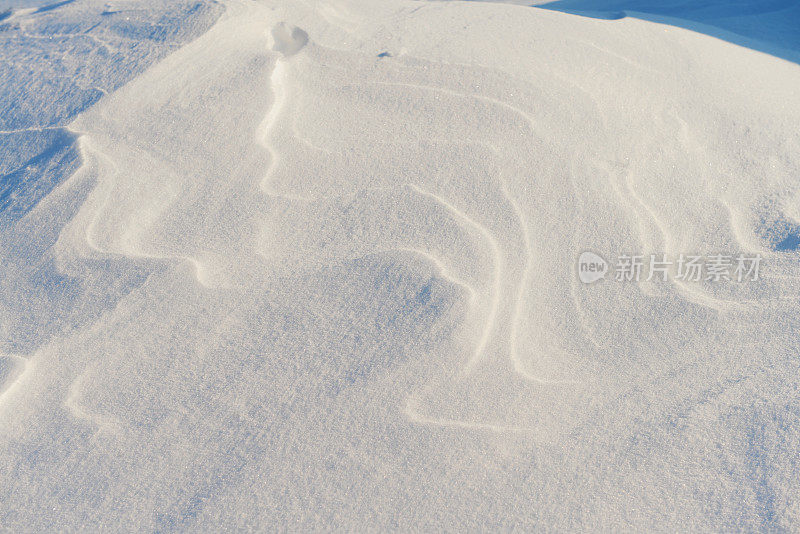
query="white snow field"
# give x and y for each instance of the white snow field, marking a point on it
(312, 265)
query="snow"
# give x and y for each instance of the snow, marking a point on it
(312, 266)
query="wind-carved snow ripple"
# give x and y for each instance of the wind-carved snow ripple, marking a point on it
(157, 193)
(402, 175)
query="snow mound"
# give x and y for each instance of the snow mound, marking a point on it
(252, 282)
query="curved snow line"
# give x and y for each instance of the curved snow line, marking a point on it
(90, 153)
(21, 367)
(74, 408)
(442, 269)
(415, 417)
(515, 206)
(498, 263)
(692, 293)
(644, 213)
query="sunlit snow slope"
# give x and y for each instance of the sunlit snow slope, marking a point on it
(312, 265)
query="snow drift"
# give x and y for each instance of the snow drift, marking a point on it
(313, 266)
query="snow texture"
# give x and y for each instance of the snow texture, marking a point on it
(310, 265)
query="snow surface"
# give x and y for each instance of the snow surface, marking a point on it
(311, 265)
